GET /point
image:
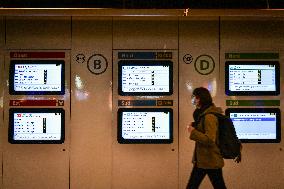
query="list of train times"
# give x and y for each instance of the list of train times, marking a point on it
(146, 125)
(37, 77)
(37, 126)
(252, 77)
(145, 79)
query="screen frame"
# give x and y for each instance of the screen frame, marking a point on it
(121, 140)
(260, 110)
(145, 63)
(13, 63)
(35, 110)
(254, 93)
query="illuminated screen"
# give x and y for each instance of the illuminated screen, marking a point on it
(252, 78)
(44, 125)
(145, 77)
(37, 77)
(256, 125)
(145, 125)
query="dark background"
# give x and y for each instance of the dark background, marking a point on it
(147, 4)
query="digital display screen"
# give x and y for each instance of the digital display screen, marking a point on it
(252, 78)
(256, 125)
(145, 77)
(45, 125)
(145, 125)
(37, 77)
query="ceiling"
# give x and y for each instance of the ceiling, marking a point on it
(145, 4)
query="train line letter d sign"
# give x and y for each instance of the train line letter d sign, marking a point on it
(204, 64)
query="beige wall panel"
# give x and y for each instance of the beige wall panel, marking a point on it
(197, 37)
(262, 164)
(1, 112)
(248, 34)
(145, 166)
(2, 33)
(2, 42)
(91, 155)
(38, 32)
(145, 33)
(36, 165)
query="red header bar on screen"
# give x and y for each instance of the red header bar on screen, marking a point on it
(37, 54)
(33, 102)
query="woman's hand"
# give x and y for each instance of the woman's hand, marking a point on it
(190, 128)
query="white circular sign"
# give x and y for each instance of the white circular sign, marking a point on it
(97, 64)
(204, 64)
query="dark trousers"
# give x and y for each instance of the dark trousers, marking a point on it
(198, 174)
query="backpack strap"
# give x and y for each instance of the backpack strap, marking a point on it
(202, 119)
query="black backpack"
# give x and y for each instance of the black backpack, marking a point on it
(229, 144)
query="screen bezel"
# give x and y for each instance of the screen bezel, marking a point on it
(145, 63)
(254, 93)
(260, 110)
(13, 63)
(35, 110)
(121, 140)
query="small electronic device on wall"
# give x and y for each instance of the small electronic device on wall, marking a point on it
(36, 126)
(145, 77)
(145, 125)
(246, 78)
(256, 125)
(37, 77)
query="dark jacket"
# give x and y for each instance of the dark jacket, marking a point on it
(207, 154)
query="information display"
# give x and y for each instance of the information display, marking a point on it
(142, 78)
(37, 125)
(256, 124)
(37, 77)
(145, 125)
(252, 78)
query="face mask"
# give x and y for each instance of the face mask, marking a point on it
(193, 101)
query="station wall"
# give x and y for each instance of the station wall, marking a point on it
(91, 156)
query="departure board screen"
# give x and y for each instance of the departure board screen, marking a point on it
(37, 77)
(256, 125)
(44, 125)
(145, 125)
(252, 78)
(138, 78)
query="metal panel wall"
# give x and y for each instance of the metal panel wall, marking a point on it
(262, 164)
(141, 33)
(38, 32)
(94, 158)
(2, 32)
(199, 67)
(30, 165)
(2, 43)
(145, 166)
(91, 77)
(37, 165)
